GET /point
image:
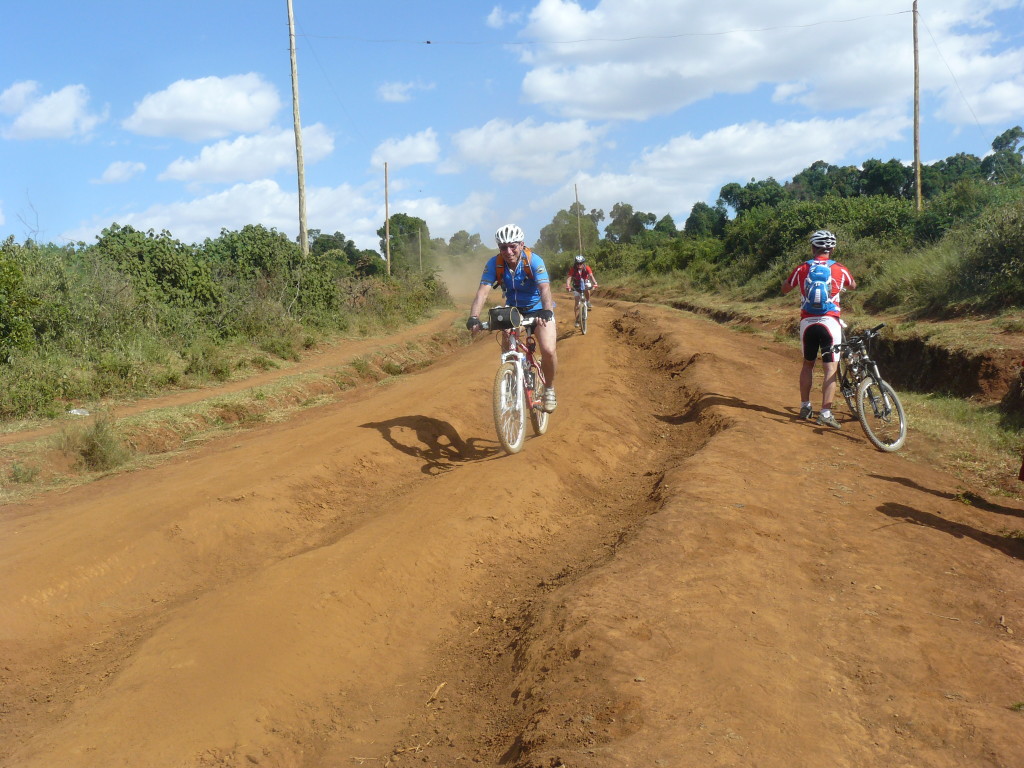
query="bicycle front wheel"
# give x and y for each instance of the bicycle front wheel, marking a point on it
(881, 414)
(509, 408)
(583, 317)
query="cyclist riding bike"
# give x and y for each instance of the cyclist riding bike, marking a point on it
(580, 281)
(820, 280)
(523, 278)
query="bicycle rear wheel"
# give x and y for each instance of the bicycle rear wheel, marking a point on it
(509, 408)
(583, 317)
(538, 416)
(881, 414)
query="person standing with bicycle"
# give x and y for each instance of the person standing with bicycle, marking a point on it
(523, 278)
(580, 281)
(820, 280)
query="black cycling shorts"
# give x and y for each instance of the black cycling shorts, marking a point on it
(818, 339)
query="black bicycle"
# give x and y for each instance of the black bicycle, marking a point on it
(870, 398)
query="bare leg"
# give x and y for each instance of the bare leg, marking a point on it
(805, 380)
(828, 389)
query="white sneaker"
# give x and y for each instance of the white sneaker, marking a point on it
(550, 401)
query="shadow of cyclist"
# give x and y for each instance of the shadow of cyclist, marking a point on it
(436, 442)
(964, 497)
(1009, 546)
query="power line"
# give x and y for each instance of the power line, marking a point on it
(955, 81)
(608, 39)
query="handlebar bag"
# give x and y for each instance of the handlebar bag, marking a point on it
(504, 318)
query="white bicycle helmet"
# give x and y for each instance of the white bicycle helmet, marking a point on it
(510, 233)
(581, 259)
(823, 239)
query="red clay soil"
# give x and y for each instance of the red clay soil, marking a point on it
(679, 573)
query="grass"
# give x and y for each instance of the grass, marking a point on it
(98, 446)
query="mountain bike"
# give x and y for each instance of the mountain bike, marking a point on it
(582, 310)
(870, 398)
(519, 383)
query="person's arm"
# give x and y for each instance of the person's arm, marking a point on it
(477, 305)
(546, 302)
(788, 284)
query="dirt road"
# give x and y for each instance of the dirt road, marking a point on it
(678, 574)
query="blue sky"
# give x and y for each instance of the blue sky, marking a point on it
(177, 115)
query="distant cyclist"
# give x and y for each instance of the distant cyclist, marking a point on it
(523, 279)
(820, 280)
(581, 280)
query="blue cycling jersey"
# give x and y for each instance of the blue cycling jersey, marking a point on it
(520, 289)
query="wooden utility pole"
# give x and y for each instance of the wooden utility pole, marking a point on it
(917, 119)
(579, 227)
(303, 237)
(387, 222)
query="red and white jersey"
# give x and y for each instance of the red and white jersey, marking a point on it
(841, 278)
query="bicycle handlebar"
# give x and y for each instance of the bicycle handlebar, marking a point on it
(528, 322)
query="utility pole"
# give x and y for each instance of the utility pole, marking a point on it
(387, 221)
(579, 227)
(917, 119)
(303, 237)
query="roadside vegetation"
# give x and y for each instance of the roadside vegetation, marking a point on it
(140, 312)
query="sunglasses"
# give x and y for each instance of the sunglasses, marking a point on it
(508, 246)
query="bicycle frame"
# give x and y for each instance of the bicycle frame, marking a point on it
(521, 354)
(856, 364)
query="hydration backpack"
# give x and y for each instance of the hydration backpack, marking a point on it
(499, 268)
(818, 293)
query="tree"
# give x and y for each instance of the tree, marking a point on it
(159, 265)
(562, 235)
(705, 221)
(410, 238)
(666, 225)
(1004, 165)
(741, 199)
(626, 223)
(891, 178)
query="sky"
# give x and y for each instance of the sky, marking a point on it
(178, 116)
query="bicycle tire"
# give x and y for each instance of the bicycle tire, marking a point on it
(583, 318)
(881, 415)
(538, 416)
(509, 402)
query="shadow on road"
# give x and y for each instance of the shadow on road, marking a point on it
(437, 442)
(1010, 546)
(964, 497)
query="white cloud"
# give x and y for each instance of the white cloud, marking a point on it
(542, 153)
(63, 114)
(634, 59)
(207, 108)
(345, 208)
(400, 92)
(444, 219)
(499, 18)
(18, 96)
(248, 158)
(120, 171)
(421, 147)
